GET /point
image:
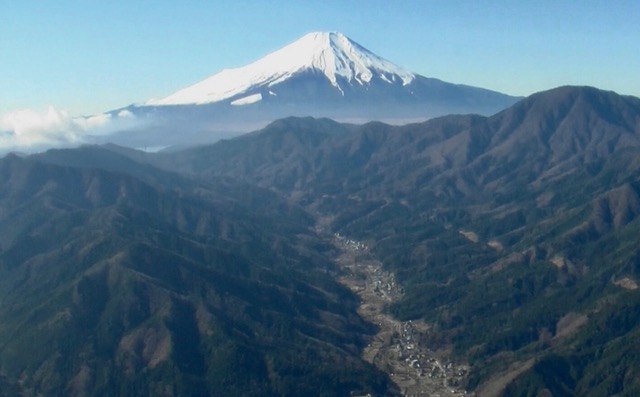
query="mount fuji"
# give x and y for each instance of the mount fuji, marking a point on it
(328, 57)
(322, 74)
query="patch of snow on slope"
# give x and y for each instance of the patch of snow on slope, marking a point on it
(247, 100)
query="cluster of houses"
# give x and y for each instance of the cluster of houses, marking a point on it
(352, 245)
(416, 369)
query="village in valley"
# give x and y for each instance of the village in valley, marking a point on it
(399, 348)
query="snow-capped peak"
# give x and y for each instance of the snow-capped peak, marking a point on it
(331, 53)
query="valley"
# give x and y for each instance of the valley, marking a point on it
(399, 348)
(496, 255)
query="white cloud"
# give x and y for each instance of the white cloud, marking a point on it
(31, 131)
(125, 114)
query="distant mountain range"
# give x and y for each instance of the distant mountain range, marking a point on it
(321, 75)
(202, 271)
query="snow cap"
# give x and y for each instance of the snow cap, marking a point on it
(331, 53)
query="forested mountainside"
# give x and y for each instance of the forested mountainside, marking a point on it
(514, 237)
(114, 284)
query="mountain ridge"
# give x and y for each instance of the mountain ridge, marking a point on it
(476, 141)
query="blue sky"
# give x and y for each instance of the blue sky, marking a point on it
(89, 56)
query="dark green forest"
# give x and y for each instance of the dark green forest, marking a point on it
(201, 271)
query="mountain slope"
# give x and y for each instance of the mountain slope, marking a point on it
(111, 285)
(512, 235)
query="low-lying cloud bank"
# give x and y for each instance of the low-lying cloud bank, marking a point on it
(32, 131)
